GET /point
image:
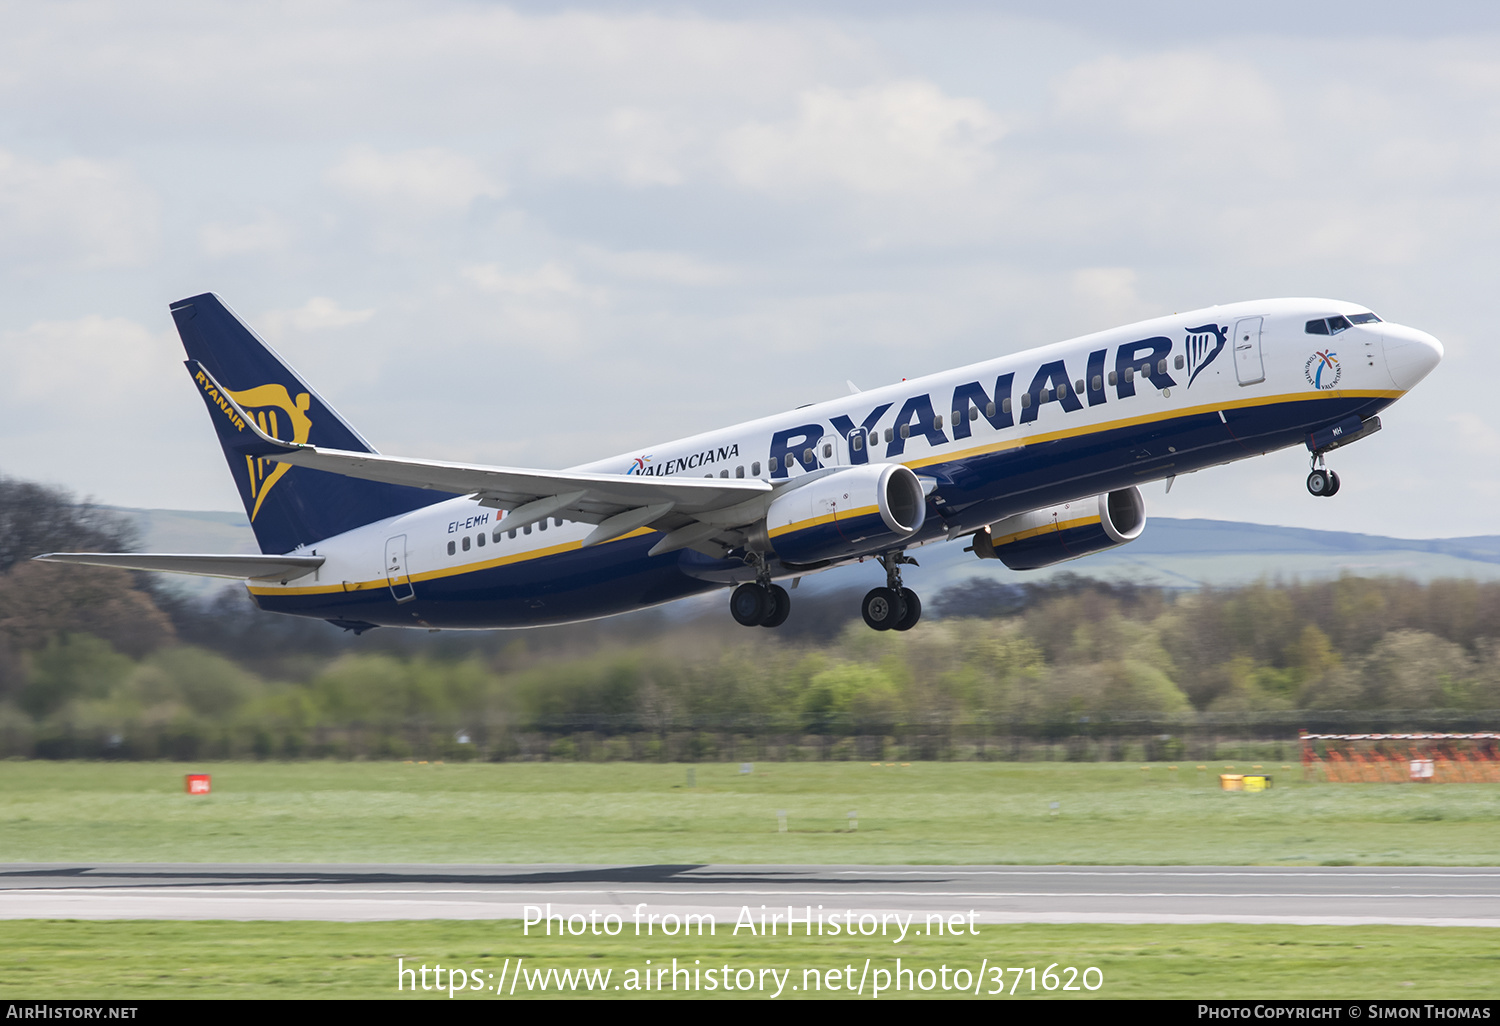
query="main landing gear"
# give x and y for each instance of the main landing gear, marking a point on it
(757, 605)
(761, 604)
(892, 608)
(1322, 482)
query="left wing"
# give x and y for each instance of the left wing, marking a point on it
(698, 513)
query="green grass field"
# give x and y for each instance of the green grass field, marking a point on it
(925, 813)
(359, 960)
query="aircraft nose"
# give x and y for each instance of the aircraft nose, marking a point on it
(1410, 354)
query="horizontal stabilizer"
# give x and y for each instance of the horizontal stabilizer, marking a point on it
(244, 568)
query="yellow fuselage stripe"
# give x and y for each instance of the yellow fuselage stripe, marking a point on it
(447, 571)
(980, 450)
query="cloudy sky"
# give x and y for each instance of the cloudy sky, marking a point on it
(536, 235)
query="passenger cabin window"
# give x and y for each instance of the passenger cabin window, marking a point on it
(1025, 400)
(773, 464)
(543, 525)
(755, 468)
(496, 536)
(1113, 378)
(905, 431)
(857, 442)
(974, 412)
(724, 472)
(1177, 362)
(451, 548)
(556, 521)
(526, 529)
(889, 434)
(512, 532)
(1004, 405)
(479, 539)
(937, 422)
(739, 471)
(466, 543)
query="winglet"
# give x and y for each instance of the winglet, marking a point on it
(258, 443)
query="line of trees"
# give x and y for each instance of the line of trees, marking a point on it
(103, 663)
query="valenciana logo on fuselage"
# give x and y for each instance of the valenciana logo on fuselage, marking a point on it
(1322, 370)
(643, 465)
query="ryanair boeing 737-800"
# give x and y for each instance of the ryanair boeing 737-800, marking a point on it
(1032, 459)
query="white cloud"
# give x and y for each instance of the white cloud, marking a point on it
(1171, 94)
(76, 212)
(898, 137)
(551, 279)
(658, 266)
(268, 234)
(430, 180)
(1106, 296)
(317, 314)
(120, 364)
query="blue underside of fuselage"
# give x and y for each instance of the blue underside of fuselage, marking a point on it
(583, 584)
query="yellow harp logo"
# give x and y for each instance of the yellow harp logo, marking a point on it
(274, 411)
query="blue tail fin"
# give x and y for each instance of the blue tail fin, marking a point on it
(288, 506)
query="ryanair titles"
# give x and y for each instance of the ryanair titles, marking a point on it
(214, 397)
(1145, 363)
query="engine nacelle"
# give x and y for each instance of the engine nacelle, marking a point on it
(850, 512)
(1030, 541)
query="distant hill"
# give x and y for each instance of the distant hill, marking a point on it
(1194, 553)
(1170, 553)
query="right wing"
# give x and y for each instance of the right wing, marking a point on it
(697, 513)
(244, 568)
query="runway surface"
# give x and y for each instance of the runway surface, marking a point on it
(994, 894)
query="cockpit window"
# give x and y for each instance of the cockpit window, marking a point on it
(1334, 325)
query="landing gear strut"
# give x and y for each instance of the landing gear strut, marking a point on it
(892, 608)
(761, 604)
(1322, 482)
